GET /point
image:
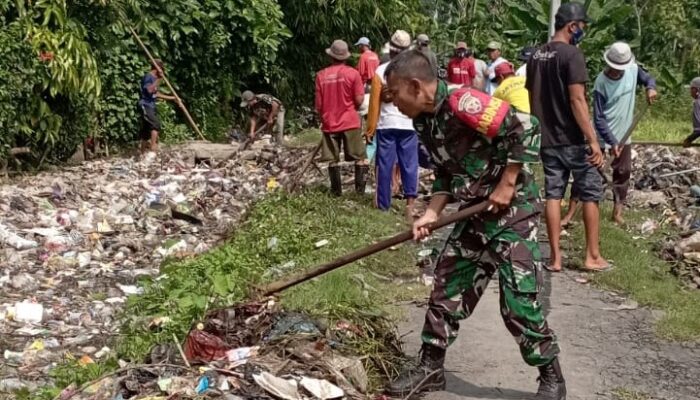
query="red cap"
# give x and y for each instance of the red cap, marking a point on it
(504, 69)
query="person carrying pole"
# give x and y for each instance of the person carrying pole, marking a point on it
(481, 148)
(150, 123)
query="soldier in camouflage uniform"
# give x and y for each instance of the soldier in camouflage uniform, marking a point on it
(266, 110)
(482, 148)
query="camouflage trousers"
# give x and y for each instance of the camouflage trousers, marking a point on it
(476, 249)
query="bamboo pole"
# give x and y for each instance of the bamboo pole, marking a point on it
(167, 82)
(293, 185)
(650, 143)
(278, 286)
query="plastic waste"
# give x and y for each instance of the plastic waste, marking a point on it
(29, 312)
(286, 389)
(201, 346)
(202, 385)
(242, 353)
(321, 389)
(11, 239)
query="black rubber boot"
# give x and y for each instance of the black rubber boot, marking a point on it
(336, 182)
(429, 374)
(552, 384)
(361, 178)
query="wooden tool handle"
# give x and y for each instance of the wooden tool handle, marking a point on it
(167, 82)
(281, 285)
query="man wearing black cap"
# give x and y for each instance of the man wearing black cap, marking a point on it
(524, 57)
(556, 78)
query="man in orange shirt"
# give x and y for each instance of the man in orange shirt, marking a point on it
(339, 93)
(368, 63)
(460, 70)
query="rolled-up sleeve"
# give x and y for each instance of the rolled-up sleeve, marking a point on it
(522, 138)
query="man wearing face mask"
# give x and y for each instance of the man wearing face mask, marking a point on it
(460, 69)
(556, 80)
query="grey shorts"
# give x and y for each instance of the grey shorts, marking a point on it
(561, 162)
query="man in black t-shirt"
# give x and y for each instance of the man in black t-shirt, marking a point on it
(556, 80)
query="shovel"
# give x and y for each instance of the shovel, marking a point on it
(278, 286)
(248, 142)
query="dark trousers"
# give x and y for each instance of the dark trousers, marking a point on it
(622, 170)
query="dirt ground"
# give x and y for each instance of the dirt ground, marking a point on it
(605, 348)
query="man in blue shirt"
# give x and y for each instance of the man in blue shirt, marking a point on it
(150, 123)
(614, 102)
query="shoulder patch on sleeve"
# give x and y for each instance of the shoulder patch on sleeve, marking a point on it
(478, 110)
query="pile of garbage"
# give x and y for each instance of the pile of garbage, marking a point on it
(251, 351)
(662, 170)
(74, 242)
(669, 181)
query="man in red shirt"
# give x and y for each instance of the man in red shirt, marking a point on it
(368, 63)
(339, 93)
(461, 70)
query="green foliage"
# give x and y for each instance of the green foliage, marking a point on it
(172, 132)
(121, 68)
(76, 67)
(20, 75)
(316, 23)
(229, 273)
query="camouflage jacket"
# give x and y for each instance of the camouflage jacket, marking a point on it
(262, 108)
(469, 164)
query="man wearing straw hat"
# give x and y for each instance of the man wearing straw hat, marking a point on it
(339, 94)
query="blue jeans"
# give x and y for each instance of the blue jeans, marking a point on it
(393, 145)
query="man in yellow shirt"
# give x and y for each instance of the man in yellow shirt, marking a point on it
(511, 88)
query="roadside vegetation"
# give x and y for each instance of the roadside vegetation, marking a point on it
(279, 237)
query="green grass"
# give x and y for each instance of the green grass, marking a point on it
(305, 138)
(230, 273)
(641, 274)
(667, 120)
(659, 129)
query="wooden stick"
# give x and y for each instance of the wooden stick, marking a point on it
(635, 143)
(19, 150)
(248, 142)
(117, 372)
(167, 82)
(306, 166)
(182, 353)
(278, 286)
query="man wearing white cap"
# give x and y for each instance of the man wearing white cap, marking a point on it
(614, 101)
(695, 94)
(396, 139)
(369, 61)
